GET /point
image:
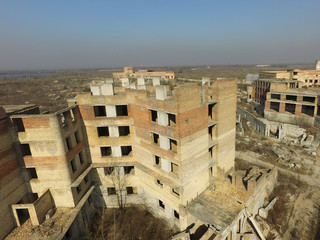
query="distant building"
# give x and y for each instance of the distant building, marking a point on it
(252, 77)
(129, 73)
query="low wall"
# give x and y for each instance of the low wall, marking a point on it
(257, 123)
(289, 118)
(317, 122)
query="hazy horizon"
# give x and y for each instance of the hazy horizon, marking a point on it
(39, 35)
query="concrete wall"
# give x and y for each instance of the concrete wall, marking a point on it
(289, 118)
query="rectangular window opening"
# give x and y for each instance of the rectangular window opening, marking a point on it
(99, 111)
(154, 116)
(86, 179)
(291, 98)
(157, 160)
(25, 149)
(126, 150)
(19, 123)
(73, 165)
(111, 191)
(161, 204)
(69, 144)
(176, 214)
(103, 131)
(105, 151)
(173, 145)
(291, 108)
(124, 130)
(176, 191)
(308, 110)
(159, 183)
(275, 106)
(77, 136)
(309, 99)
(79, 189)
(275, 96)
(81, 158)
(172, 119)
(155, 138)
(122, 110)
(33, 173)
(129, 170)
(174, 167)
(131, 190)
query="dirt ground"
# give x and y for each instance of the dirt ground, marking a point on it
(129, 224)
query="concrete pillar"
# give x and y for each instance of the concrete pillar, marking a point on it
(95, 90)
(116, 151)
(282, 97)
(163, 118)
(111, 111)
(206, 80)
(298, 109)
(282, 107)
(165, 165)
(141, 81)
(164, 142)
(156, 81)
(107, 89)
(161, 92)
(125, 82)
(113, 131)
(267, 106)
(299, 99)
(234, 232)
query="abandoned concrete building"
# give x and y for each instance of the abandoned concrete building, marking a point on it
(170, 149)
(129, 73)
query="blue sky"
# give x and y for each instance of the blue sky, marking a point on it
(96, 34)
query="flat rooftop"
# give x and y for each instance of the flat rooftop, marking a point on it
(18, 109)
(219, 205)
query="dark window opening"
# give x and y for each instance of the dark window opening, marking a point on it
(105, 151)
(19, 123)
(99, 111)
(73, 165)
(291, 108)
(309, 99)
(176, 214)
(69, 144)
(275, 106)
(25, 149)
(154, 116)
(157, 160)
(210, 131)
(86, 179)
(210, 152)
(129, 170)
(130, 190)
(318, 111)
(173, 145)
(159, 183)
(103, 131)
(174, 167)
(81, 158)
(161, 204)
(126, 150)
(23, 215)
(155, 138)
(275, 96)
(295, 73)
(108, 170)
(122, 110)
(124, 130)
(308, 110)
(68, 234)
(78, 189)
(176, 192)
(111, 191)
(172, 119)
(77, 136)
(291, 98)
(210, 110)
(32, 173)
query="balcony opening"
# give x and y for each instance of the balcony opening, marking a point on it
(308, 110)
(124, 130)
(77, 136)
(81, 157)
(161, 204)
(309, 99)
(174, 168)
(210, 110)
(108, 170)
(25, 149)
(105, 151)
(291, 98)
(211, 152)
(210, 131)
(176, 214)
(129, 170)
(111, 191)
(103, 131)
(122, 110)
(155, 138)
(291, 108)
(172, 119)
(19, 123)
(32, 173)
(275, 96)
(173, 145)
(86, 179)
(126, 150)
(275, 106)
(69, 144)
(154, 116)
(73, 165)
(23, 215)
(99, 111)
(157, 160)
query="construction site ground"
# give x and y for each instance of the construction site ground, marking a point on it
(296, 214)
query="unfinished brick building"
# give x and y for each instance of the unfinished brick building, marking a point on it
(170, 149)
(129, 73)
